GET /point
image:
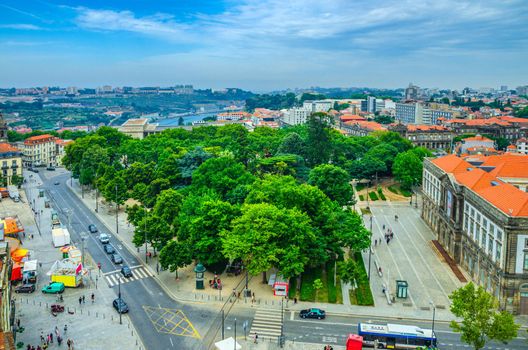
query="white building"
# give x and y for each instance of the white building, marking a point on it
(318, 106)
(296, 116)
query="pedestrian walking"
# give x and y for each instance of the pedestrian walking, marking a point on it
(93, 298)
(51, 337)
(83, 299)
(68, 342)
(295, 300)
(57, 331)
(379, 270)
(41, 337)
(384, 226)
(80, 301)
(59, 340)
(18, 322)
(256, 338)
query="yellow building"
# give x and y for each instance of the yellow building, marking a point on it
(10, 162)
(40, 151)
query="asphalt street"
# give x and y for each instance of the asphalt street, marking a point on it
(162, 323)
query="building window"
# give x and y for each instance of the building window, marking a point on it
(498, 251)
(525, 265)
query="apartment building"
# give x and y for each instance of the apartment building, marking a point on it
(318, 106)
(419, 113)
(40, 151)
(434, 137)
(296, 116)
(10, 161)
(482, 222)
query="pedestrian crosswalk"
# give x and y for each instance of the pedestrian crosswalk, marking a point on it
(112, 278)
(267, 323)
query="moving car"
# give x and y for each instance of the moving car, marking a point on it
(109, 249)
(92, 228)
(120, 306)
(126, 271)
(117, 259)
(313, 313)
(26, 288)
(56, 183)
(104, 238)
(53, 288)
(50, 168)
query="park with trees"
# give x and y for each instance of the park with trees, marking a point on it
(270, 198)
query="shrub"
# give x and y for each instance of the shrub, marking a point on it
(361, 198)
(373, 196)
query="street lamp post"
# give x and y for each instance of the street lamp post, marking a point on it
(432, 328)
(145, 232)
(119, 295)
(234, 345)
(117, 209)
(282, 323)
(370, 247)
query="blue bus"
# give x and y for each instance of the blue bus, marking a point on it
(396, 336)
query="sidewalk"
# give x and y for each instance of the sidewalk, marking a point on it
(183, 289)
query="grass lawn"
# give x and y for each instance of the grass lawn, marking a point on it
(327, 294)
(373, 196)
(380, 194)
(398, 190)
(359, 187)
(361, 198)
(362, 295)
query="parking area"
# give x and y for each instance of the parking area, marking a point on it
(409, 256)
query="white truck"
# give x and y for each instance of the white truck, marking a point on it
(60, 237)
(13, 193)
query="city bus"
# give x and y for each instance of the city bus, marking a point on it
(396, 336)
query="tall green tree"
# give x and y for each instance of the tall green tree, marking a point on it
(175, 255)
(292, 144)
(319, 142)
(334, 182)
(266, 236)
(222, 175)
(482, 320)
(407, 169)
(350, 271)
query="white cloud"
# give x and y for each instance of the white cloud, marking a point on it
(159, 25)
(21, 26)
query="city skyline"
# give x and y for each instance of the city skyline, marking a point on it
(264, 45)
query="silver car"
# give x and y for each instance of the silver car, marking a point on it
(104, 238)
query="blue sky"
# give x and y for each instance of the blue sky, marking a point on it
(264, 44)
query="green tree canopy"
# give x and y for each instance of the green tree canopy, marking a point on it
(334, 182)
(175, 255)
(407, 169)
(481, 319)
(266, 236)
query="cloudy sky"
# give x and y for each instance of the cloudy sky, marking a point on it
(264, 44)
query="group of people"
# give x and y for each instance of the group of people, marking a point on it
(215, 283)
(82, 300)
(47, 339)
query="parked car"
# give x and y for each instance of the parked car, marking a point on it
(117, 259)
(56, 183)
(26, 288)
(120, 306)
(34, 170)
(109, 249)
(53, 288)
(313, 313)
(126, 271)
(104, 238)
(50, 168)
(92, 228)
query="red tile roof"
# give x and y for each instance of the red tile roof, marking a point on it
(6, 148)
(503, 196)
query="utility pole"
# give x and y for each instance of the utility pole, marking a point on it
(145, 232)
(119, 294)
(234, 345)
(432, 329)
(117, 209)
(370, 247)
(222, 324)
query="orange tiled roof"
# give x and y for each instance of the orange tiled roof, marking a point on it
(351, 117)
(451, 164)
(5, 148)
(39, 137)
(478, 138)
(373, 126)
(503, 196)
(412, 127)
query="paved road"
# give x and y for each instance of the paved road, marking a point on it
(154, 314)
(335, 329)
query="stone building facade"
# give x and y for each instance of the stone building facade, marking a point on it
(482, 222)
